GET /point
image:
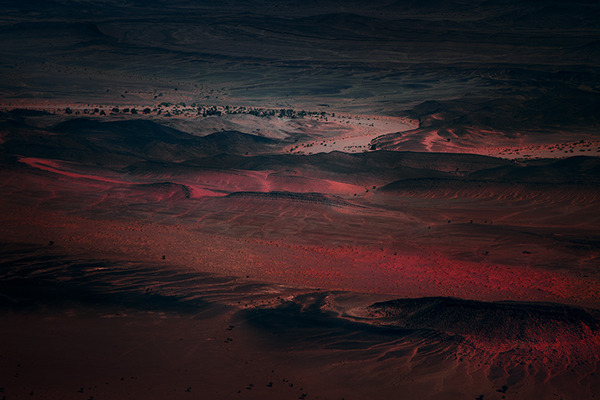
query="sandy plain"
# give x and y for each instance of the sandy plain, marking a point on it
(281, 273)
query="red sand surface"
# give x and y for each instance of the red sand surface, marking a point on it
(180, 280)
(303, 244)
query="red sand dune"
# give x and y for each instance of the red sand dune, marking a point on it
(333, 273)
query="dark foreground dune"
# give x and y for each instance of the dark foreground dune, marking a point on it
(83, 327)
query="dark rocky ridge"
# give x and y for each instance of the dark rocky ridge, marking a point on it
(512, 323)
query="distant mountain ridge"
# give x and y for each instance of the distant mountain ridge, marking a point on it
(82, 139)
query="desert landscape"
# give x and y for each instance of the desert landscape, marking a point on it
(300, 200)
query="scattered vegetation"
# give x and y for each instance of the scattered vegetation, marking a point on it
(194, 110)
